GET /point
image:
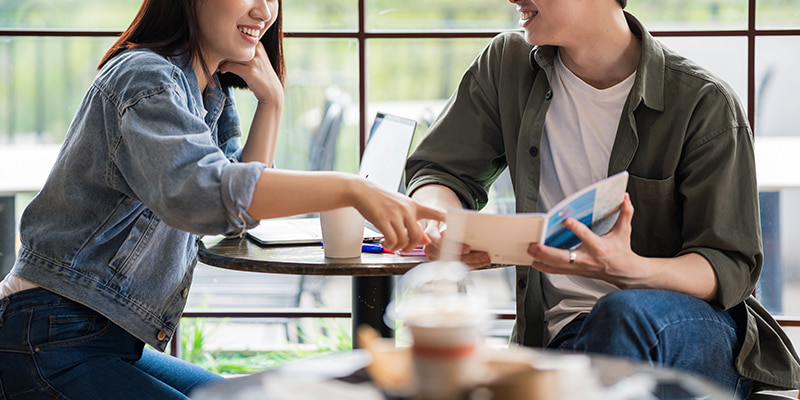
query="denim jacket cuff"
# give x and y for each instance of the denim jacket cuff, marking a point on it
(238, 184)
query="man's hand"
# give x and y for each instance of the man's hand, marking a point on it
(611, 259)
(608, 258)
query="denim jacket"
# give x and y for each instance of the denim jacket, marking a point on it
(148, 164)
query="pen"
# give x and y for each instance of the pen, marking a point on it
(373, 248)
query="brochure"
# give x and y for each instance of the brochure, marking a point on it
(505, 237)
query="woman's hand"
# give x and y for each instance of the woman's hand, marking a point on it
(435, 232)
(395, 215)
(263, 81)
(259, 75)
(443, 198)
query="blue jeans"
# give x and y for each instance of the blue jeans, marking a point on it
(52, 347)
(663, 328)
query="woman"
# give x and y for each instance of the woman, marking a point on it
(151, 161)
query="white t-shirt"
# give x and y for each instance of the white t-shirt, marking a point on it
(579, 132)
(12, 284)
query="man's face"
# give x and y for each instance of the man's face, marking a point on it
(546, 22)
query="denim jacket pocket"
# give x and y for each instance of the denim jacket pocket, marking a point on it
(137, 240)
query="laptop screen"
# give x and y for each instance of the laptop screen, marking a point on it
(387, 148)
(383, 163)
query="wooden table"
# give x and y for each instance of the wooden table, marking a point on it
(372, 273)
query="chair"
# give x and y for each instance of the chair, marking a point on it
(322, 150)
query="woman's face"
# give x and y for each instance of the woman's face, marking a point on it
(231, 29)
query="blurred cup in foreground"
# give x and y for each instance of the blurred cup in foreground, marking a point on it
(445, 322)
(342, 232)
(444, 354)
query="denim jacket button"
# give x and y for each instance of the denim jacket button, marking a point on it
(548, 95)
(521, 284)
(161, 335)
(533, 151)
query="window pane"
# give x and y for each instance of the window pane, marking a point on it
(777, 14)
(321, 86)
(414, 78)
(44, 80)
(725, 57)
(440, 15)
(407, 71)
(691, 14)
(778, 142)
(302, 15)
(68, 14)
(777, 86)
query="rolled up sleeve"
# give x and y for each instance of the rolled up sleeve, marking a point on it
(238, 184)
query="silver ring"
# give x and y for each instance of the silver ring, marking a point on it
(572, 256)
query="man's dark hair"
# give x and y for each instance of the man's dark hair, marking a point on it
(170, 28)
(623, 3)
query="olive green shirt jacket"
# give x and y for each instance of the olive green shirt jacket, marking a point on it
(683, 137)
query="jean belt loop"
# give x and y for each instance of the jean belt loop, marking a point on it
(3, 305)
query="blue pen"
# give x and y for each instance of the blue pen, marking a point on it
(373, 248)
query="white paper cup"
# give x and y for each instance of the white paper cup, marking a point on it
(342, 232)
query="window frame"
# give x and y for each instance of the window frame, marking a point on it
(363, 36)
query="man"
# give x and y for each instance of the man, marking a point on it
(584, 93)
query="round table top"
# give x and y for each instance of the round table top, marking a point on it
(245, 255)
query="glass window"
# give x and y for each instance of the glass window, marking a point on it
(440, 15)
(778, 141)
(38, 100)
(321, 86)
(68, 14)
(414, 78)
(328, 15)
(725, 57)
(683, 15)
(777, 14)
(418, 69)
(777, 86)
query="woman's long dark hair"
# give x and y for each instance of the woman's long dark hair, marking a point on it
(170, 28)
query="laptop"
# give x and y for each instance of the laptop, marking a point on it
(382, 163)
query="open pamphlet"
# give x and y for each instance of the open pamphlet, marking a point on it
(505, 237)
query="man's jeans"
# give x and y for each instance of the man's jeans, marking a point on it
(51, 347)
(663, 328)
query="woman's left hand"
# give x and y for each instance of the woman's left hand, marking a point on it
(608, 257)
(263, 81)
(260, 76)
